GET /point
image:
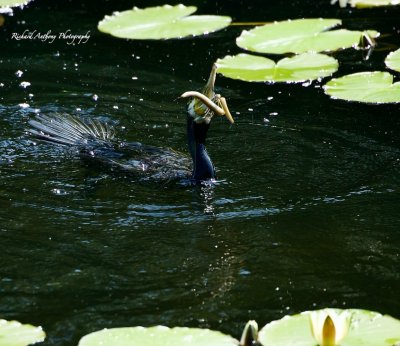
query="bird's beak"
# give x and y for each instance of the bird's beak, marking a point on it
(206, 97)
(227, 114)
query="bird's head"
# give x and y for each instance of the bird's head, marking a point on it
(204, 105)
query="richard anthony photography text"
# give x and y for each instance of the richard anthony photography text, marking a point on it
(49, 37)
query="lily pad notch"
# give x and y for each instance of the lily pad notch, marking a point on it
(161, 23)
(299, 68)
(352, 327)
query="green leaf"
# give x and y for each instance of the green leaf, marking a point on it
(367, 328)
(369, 87)
(307, 66)
(161, 22)
(393, 60)
(13, 333)
(13, 3)
(157, 336)
(299, 36)
(373, 3)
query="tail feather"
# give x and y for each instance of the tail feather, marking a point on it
(69, 130)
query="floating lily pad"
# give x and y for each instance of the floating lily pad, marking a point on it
(393, 60)
(13, 3)
(13, 333)
(300, 36)
(250, 68)
(369, 87)
(366, 328)
(371, 3)
(157, 336)
(161, 22)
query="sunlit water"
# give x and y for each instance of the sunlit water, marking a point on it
(305, 213)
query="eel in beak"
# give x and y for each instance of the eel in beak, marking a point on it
(205, 104)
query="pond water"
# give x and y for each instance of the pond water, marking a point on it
(305, 216)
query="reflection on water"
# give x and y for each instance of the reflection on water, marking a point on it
(304, 213)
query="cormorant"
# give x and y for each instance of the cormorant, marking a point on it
(95, 141)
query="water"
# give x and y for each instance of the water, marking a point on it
(305, 215)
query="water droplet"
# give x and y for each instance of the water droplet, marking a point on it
(244, 272)
(95, 97)
(115, 107)
(135, 78)
(19, 73)
(24, 84)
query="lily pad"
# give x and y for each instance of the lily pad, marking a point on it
(157, 336)
(366, 328)
(250, 68)
(13, 3)
(369, 87)
(300, 36)
(161, 22)
(370, 3)
(13, 333)
(393, 60)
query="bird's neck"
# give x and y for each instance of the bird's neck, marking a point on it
(203, 168)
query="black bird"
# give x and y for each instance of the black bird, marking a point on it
(95, 141)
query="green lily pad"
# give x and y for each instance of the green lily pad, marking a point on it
(393, 60)
(250, 68)
(161, 22)
(157, 336)
(366, 328)
(369, 87)
(373, 3)
(300, 36)
(13, 3)
(13, 333)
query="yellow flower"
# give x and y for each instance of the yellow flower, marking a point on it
(329, 327)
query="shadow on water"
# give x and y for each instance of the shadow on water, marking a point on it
(304, 214)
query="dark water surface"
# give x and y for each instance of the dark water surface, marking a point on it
(306, 214)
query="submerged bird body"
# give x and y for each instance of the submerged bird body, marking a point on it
(95, 142)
